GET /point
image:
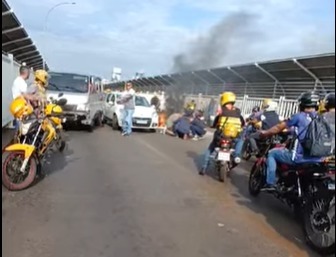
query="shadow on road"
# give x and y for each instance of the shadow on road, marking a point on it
(198, 161)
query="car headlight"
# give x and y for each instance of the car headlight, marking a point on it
(155, 116)
(82, 107)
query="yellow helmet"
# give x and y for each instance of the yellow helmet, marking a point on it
(20, 108)
(42, 76)
(53, 109)
(231, 130)
(258, 125)
(227, 97)
(322, 108)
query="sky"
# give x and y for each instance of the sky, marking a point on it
(93, 36)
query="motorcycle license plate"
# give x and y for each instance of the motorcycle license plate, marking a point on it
(223, 156)
(331, 186)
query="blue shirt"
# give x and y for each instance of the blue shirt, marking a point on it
(300, 122)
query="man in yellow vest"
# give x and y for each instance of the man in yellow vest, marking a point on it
(230, 117)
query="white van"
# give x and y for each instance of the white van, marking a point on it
(84, 94)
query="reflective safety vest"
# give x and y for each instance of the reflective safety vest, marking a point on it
(230, 118)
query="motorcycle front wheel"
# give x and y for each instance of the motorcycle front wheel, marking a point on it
(256, 180)
(319, 225)
(12, 178)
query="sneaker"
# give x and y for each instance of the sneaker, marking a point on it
(195, 138)
(124, 134)
(269, 188)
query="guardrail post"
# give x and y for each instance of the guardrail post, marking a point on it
(243, 109)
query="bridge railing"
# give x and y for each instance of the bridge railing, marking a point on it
(286, 107)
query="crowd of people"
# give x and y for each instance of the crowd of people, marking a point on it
(265, 122)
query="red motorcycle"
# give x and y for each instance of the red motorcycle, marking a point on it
(309, 189)
(223, 159)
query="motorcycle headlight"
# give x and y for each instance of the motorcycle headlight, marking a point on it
(82, 107)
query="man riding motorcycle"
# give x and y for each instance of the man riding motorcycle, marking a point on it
(268, 119)
(308, 105)
(230, 116)
(329, 113)
(255, 113)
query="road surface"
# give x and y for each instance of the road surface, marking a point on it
(141, 196)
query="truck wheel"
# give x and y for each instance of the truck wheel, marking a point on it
(99, 120)
(115, 125)
(91, 127)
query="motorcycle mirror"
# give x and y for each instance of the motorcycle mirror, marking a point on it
(60, 94)
(62, 101)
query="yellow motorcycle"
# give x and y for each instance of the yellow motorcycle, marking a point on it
(23, 160)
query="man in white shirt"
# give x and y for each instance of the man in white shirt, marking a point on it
(20, 86)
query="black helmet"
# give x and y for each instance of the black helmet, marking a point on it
(309, 99)
(256, 109)
(329, 101)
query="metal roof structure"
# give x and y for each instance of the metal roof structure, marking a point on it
(16, 41)
(288, 77)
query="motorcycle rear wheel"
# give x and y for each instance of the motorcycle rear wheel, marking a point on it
(12, 178)
(319, 225)
(256, 180)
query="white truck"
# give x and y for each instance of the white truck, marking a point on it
(84, 94)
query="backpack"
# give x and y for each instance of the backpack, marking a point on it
(318, 138)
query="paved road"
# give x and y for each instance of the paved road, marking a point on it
(109, 196)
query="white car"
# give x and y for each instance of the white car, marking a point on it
(144, 117)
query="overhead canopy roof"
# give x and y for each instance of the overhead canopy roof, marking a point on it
(290, 76)
(15, 40)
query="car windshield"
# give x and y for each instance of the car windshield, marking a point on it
(68, 82)
(141, 101)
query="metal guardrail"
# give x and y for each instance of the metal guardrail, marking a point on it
(286, 107)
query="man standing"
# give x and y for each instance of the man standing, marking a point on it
(128, 101)
(20, 88)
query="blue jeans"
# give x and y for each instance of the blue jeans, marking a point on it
(275, 156)
(197, 131)
(239, 146)
(127, 121)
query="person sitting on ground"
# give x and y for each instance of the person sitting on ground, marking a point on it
(170, 123)
(198, 126)
(181, 127)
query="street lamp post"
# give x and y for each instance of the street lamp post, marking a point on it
(46, 21)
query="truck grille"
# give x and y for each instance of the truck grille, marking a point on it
(69, 108)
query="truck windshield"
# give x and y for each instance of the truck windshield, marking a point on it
(141, 101)
(68, 82)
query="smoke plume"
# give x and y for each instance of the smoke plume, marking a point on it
(210, 50)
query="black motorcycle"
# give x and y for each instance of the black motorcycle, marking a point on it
(310, 190)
